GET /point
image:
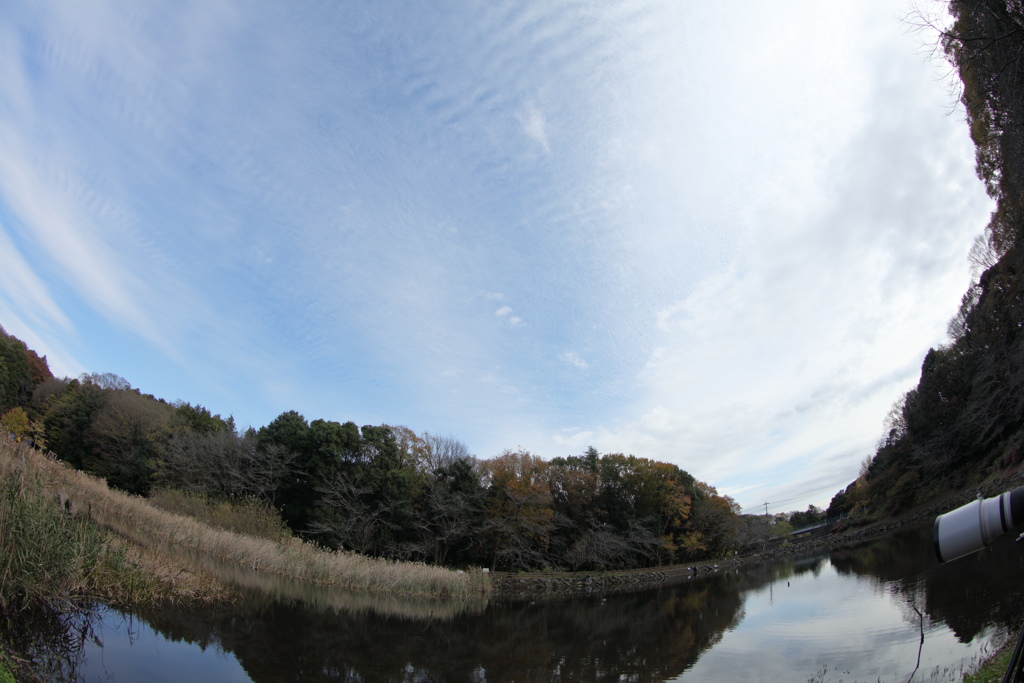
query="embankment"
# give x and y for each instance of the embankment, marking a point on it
(131, 517)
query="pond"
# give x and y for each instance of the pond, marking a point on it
(883, 610)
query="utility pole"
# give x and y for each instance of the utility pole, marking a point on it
(766, 508)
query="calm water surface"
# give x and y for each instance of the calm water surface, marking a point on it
(883, 610)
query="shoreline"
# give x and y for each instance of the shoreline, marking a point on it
(128, 517)
(555, 585)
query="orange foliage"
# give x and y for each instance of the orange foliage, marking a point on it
(37, 367)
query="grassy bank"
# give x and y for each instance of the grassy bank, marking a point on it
(134, 519)
(994, 668)
(50, 557)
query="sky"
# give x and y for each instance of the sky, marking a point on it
(722, 235)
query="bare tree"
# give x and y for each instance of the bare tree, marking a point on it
(958, 325)
(984, 254)
(106, 380)
(895, 424)
(223, 463)
(48, 388)
(351, 516)
(443, 451)
(598, 547)
(447, 519)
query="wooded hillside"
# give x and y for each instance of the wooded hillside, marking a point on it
(965, 418)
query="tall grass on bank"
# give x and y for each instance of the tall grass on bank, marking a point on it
(133, 518)
(49, 557)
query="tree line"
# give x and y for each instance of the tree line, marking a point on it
(382, 491)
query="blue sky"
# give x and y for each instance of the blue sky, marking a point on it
(716, 234)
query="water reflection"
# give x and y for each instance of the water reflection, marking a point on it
(852, 612)
(263, 587)
(53, 642)
(648, 637)
(968, 596)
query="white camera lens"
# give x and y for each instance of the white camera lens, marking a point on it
(973, 526)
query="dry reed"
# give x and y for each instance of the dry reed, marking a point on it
(50, 557)
(132, 517)
(246, 515)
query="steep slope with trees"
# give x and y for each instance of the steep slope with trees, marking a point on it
(965, 419)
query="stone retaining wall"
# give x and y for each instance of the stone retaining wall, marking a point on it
(567, 584)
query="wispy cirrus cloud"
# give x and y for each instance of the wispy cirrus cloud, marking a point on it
(732, 229)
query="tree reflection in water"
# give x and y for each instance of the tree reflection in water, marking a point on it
(655, 635)
(54, 642)
(969, 595)
(645, 637)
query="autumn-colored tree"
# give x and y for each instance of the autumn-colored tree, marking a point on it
(15, 421)
(518, 510)
(715, 520)
(37, 367)
(412, 448)
(640, 494)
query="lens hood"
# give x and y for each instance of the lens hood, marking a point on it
(971, 527)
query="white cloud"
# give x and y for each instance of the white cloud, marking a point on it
(505, 312)
(535, 126)
(572, 358)
(26, 290)
(75, 247)
(771, 376)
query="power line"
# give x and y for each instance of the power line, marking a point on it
(749, 511)
(765, 505)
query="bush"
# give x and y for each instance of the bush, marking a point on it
(244, 515)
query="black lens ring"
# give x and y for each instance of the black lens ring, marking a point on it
(1017, 506)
